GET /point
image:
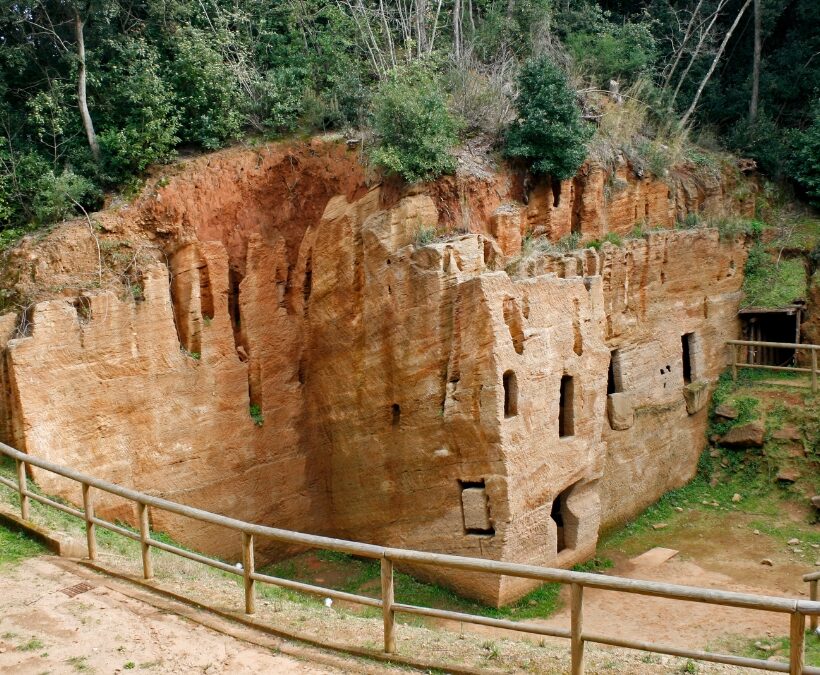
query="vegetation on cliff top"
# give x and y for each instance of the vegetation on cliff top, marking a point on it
(93, 92)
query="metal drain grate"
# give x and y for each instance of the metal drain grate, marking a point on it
(71, 591)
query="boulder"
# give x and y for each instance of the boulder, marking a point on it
(696, 395)
(744, 436)
(787, 432)
(788, 475)
(726, 411)
(620, 412)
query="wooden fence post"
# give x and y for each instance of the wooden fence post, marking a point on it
(90, 528)
(22, 487)
(388, 614)
(797, 638)
(813, 371)
(734, 362)
(248, 568)
(576, 626)
(813, 597)
(145, 535)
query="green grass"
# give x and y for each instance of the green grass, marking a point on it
(767, 647)
(32, 645)
(361, 576)
(771, 282)
(15, 546)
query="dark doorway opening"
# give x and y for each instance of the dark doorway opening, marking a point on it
(566, 412)
(614, 384)
(686, 344)
(781, 324)
(510, 394)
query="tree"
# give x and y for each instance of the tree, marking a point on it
(549, 132)
(711, 70)
(415, 129)
(755, 65)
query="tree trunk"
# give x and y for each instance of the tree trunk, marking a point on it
(704, 34)
(88, 125)
(457, 29)
(711, 70)
(755, 66)
(684, 41)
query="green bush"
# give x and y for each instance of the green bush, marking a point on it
(206, 91)
(140, 119)
(56, 196)
(549, 132)
(803, 164)
(617, 52)
(414, 128)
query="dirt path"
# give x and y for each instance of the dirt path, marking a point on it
(44, 629)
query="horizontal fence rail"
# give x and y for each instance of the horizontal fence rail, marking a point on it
(797, 609)
(737, 362)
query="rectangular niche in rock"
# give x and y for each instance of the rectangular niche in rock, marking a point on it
(566, 410)
(690, 355)
(510, 394)
(475, 508)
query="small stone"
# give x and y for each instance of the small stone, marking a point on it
(715, 452)
(679, 509)
(762, 647)
(793, 541)
(797, 550)
(659, 526)
(756, 532)
(736, 497)
(788, 475)
(817, 563)
(714, 482)
(767, 562)
(815, 501)
(787, 432)
(726, 411)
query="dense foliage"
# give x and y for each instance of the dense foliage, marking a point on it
(92, 92)
(549, 131)
(415, 129)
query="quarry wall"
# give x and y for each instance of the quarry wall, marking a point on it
(406, 393)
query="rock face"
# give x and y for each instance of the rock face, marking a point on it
(750, 435)
(411, 395)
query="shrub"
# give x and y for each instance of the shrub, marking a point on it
(414, 128)
(616, 52)
(803, 164)
(57, 195)
(549, 132)
(206, 91)
(140, 119)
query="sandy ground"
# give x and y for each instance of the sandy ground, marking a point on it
(44, 629)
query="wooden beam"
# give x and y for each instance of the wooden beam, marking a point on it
(388, 614)
(576, 628)
(145, 539)
(90, 530)
(248, 567)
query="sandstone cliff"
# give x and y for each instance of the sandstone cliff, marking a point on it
(406, 393)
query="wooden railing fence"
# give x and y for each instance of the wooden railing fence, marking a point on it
(737, 362)
(797, 609)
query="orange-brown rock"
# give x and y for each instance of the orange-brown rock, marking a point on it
(410, 394)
